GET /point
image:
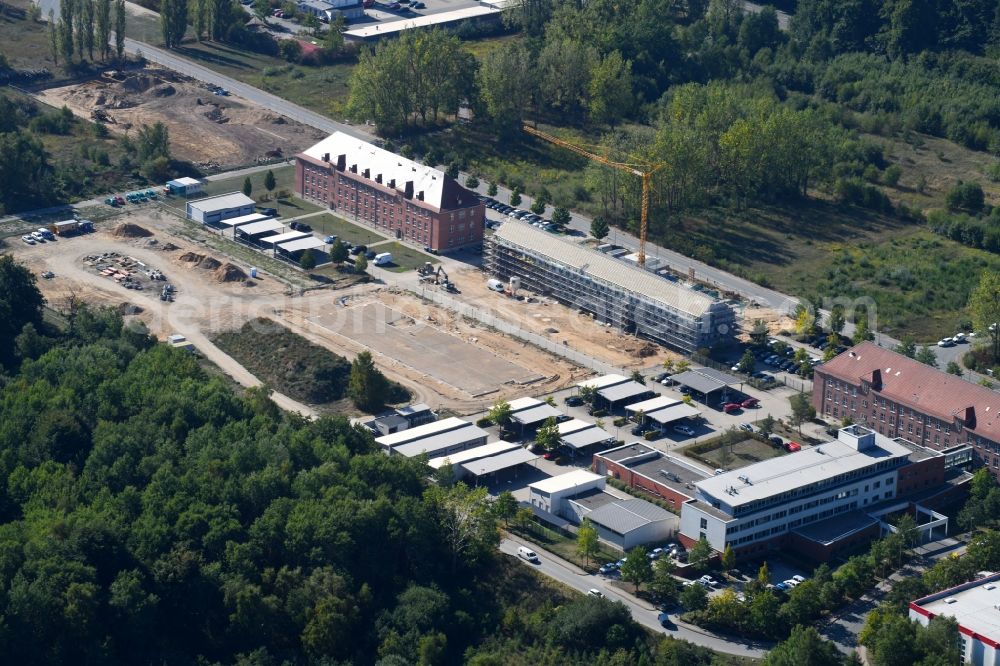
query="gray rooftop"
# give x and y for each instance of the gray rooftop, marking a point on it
(629, 389)
(594, 499)
(499, 462)
(434, 445)
(223, 202)
(659, 402)
(657, 466)
(469, 455)
(263, 226)
(536, 414)
(599, 266)
(672, 413)
(307, 243)
(625, 516)
(701, 382)
(581, 439)
(834, 529)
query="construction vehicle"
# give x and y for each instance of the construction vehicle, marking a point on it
(644, 170)
(427, 269)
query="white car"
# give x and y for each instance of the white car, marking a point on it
(594, 592)
(708, 581)
(946, 342)
(799, 579)
(684, 430)
(791, 582)
(37, 235)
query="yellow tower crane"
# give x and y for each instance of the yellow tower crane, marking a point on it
(644, 170)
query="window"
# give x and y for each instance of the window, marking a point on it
(704, 524)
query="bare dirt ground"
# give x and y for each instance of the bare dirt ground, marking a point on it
(206, 303)
(546, 317)
(205, 129)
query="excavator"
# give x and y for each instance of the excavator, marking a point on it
(440, 277)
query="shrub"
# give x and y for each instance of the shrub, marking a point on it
(484, 423)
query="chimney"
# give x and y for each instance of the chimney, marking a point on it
(326, 157)
(354, 168)
(876, 381)
(366, 173)
(420, 195)
(408, 189)
(341, 162)
(392, 183)
(857, 437)
(378, 178)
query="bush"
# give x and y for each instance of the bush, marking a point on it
(620, 421)
(965, 196)
(472, 182)
(650, 436)
(598, 413)
(290, 50)
(484, 423)
(891, 175)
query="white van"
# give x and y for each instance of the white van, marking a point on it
(527, 554)
(383, 259)
(495, 285)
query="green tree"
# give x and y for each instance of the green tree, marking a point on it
(467, 522)
(247, 186)
(87, 26)
(360, 263)
(538, 207)
(173, 21)
(805, 647)
(153, 141)
(637, 569)
(758, 334)
(861, 330)
(367, 387)
(501, 414)
(588, 394)
(103, 28)
(802, 410)
(599, 228)
(700, 554)
(338, 252)
(54, 44)
(515, 196)
(663, 584)
(505, 506)
(610, 89)
(586, 541)
(927, 356)
(547, 436)
(472, 182)
(907, 347)
(728, 558)
(638, 378)
(120, 29)
(491, 189)
(505, 79)
(837, 320)
(763, 576)
(766, 426)
(20, 303)
(984, 306)
(560, 217)
(693, 597)
(308, 260)
(564, 70)
(747, 362)
(269, 181)
(954, 369)
(804, 321)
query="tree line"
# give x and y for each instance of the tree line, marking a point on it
(86, 25)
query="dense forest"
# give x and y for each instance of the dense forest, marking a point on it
(149, 514)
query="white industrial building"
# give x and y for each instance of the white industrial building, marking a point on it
(750, 506)
(551, 495)
(633, 522)
(437, 439)
(184, 187)
(213, 210)
(633, 300)
(976, 608)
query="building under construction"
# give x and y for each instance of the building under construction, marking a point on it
(614, 292)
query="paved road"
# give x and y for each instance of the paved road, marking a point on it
(572, 576)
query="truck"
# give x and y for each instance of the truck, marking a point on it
(383, 259)
(64, 228)
(46, 234)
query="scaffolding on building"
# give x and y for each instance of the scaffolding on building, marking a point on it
(627, 297)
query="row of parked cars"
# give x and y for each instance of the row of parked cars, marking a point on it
(38, 236)
(516, 213)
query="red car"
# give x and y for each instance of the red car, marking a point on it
(792, 447)
(731, 407)
(550, 455)
(750, 402)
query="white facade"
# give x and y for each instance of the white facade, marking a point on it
(213, 210)
(974, 606)
(550, 495)
(768, 499)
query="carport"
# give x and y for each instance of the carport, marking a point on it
(579, 435)
(293, 250)
(651, 405)
(706, 381)
(667, 415)
(619, 393)
(234, 222)
(530, 413)
(277, 239)
(253, 232)
(511, 460)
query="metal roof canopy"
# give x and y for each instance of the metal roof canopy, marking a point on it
(603, 381)
(244, 219)
(701, 382)
(567, 481)
(652, 404)
(672, 413)
(469, 455)
(536, 414)
(284, 238)
(184, 182)
(498, 462)
(222, 202)
(309, 243)
(581, 439)
(425, 430)
(261, 227)
(576, 425)
(435, 444)
(629, 389)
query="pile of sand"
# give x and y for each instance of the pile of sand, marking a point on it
(126, 230)
(209, 263)
(129, 309)
(169, 247)
(230, 273)
(191, 257)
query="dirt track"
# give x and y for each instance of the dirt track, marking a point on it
(206, 129)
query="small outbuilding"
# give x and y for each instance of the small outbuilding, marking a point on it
(184, 187)
(213, 210)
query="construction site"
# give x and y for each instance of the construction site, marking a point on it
(624, 297)
(207, 128)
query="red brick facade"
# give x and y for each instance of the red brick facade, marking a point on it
(900, 397)
(394, 209)
(635, 480)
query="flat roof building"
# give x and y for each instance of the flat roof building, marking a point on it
(550, 495)
(974, 606)
(614, 292)
(184, 186)
(213, 210)
(399, 197)
(437, 439)
(901, 397)
(644, 468)
(634, 522)
(766, 504)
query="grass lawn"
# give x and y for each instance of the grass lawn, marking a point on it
(321, 89)
(331, 225)
(565, 546)
(404, 258)
(744, 453)
(283, 176)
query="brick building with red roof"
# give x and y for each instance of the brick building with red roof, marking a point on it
(900, 397)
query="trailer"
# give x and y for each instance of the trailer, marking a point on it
(65, 228)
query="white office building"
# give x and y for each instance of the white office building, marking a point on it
(552, 495)
(752, 505)
(974, 606)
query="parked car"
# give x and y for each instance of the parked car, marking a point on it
(746, 427)
(371, 254)
(48, 275)
(639, 430)
(264, 210)
(28, 239)
(330, 240)
(607, 569)
(782, 587)
(684, 430)
(792, 447)
(799, 579)
(946, 342)
(775, 441)
(550, 455)
(656, 553)
(731, 407)
(594, 592)
(749, 403)
(791, 582)
(665, 622)
(418, 5)
(574, 401)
